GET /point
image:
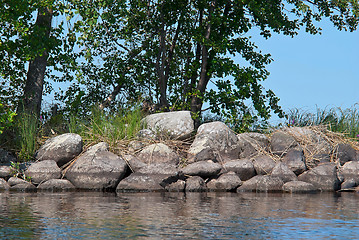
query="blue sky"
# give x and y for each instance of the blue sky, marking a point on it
(311, 71)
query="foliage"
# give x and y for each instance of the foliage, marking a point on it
(178, 54)
(6, 118)
(17, 171)
(336, 119)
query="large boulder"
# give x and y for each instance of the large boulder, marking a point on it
(282, 171)
(43, 171)
(4, 185)
(350, 170)
(281, 142)
(226, 182)
(96, 169)
(299, 187)
(252, 144)
(316, 148)
(20, 185)
(323, 177)
(176, 125)
(244, 168)
(262, 183)
(5, 171)
(60, 149)
(158, 153)
(263, 164)
(214, 141)
(345, 153)
(204, 169)
(178, 186)
(295, 160)
(195, 184)
(138, 182)
(56, 185)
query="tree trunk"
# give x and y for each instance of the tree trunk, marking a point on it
(32, 96)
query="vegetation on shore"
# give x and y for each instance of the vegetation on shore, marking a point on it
(118, 129)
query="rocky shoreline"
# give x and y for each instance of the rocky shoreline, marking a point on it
(293, 159)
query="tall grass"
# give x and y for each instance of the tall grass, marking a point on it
(108, 126)
(336, 119)
(28, 130)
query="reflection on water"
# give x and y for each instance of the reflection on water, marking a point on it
(94, 215)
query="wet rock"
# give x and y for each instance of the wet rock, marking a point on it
(345, 153)
(138, 182)
(178, 186)
(282, 142)
(56, 185)
(60, 149)
(195, 184)
(203, 169)
(214, 141)
(262, 183)
(252, 144)
(226, 182)
(299, 187)
(350, 170)
(43, 171)
(96, 170)
(295, 160)
(349, 184)
(176, 125)
(18, 184)
(324, 177)
(244, 168)
(5, 171)
(4, 185)
(158, 153)
(282, 171)
(263, 164)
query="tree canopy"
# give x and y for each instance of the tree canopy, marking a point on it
(177, 55)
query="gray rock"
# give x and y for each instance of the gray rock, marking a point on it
(263, 164)
(159, 168)
(262, 183)
(4, 185)
(226, 182)
(14, 181)
(244, 168)
(24, 187)
(146, 134)
(345, 153)
(6, 158)
(43, 171)
(178, 186)
(56, 185)
(295, 160)
(350, 170)
(299, 187)
(176, 125)
(138, 182)
(282, 142)
(214, 141)
(195, 184)
(99, 147)
(96, 170)
(323, 177)
(252, 144)
(158, 153)
(5, 171)
(282, 171)
(203, 169)
(349, 184)
(135, 146)
(61, 149)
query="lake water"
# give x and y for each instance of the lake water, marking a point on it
(97, 215)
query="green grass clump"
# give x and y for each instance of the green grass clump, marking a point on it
(340, 120)
(27, 126)
(106, 126)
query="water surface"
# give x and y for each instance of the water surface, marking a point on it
(96, 215)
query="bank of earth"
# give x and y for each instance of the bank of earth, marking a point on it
(292, 159)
